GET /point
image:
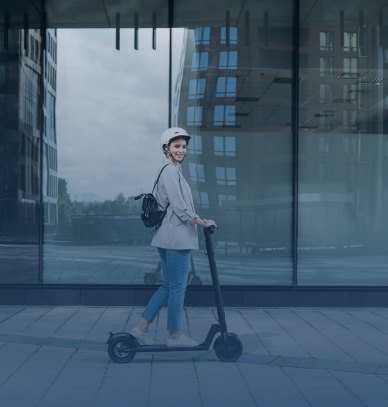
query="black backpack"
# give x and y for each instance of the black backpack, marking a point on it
(151, 215)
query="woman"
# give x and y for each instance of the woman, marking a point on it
(174, 239)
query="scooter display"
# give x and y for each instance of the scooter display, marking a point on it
(122, 346)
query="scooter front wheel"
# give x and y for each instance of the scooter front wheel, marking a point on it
(228, 347)
(120, 349)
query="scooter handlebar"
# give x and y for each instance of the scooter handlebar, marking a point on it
(210, 229)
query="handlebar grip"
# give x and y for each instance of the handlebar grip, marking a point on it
(210, 229)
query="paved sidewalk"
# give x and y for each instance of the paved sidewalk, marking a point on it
(294, 357)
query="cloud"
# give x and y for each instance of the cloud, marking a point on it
(111, 108)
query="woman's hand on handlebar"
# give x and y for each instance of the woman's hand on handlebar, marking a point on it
(209, 223)
(206, 223)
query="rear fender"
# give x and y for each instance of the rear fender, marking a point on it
(123, 335)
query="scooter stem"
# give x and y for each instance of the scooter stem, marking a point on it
(214, 274)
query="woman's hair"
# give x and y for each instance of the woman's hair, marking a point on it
(165, 149)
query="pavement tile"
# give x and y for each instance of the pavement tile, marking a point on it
(122, 397)
(68, 397)
(313, 343)
(174, 395)
(348, 342)
(275, 339)
(9, 311)
(321, 389)
(382, 370)
(81, 323)
(23, 319)
(112, 319)
(324, 364)
(370, 389)
(383, 312)
(181, 374)
(270, 386)
(227, 397)
(373, 316)
(219, 374)
(375, 339)
(33, 379)
(49, 322)
(12, 357)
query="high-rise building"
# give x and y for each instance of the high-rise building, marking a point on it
(232, 96)
(21, 74)
(50, 155)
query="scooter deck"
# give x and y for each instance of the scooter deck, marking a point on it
(205, 345)
(137, 347)
(165, 348)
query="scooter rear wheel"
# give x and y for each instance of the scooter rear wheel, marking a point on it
(120, 349)
(228, 347)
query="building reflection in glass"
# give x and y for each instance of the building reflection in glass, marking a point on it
(234, 97)
(21, 128)
(343, 181)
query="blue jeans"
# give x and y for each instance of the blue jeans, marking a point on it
(175, 270)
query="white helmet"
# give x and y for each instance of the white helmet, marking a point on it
(173, 133)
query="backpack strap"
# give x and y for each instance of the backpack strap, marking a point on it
(157, 179)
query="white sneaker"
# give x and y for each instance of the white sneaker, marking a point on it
(183, 340)
(142, 337)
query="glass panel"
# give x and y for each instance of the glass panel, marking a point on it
(200, 61)
(326, 40)
(225, 145)
(246, 153)
(196, 146)
(228, 60)
(111, 108)
(226, 86)
(350, 41)
(197, 88)
(202, 35)
(343, 169)
(326, 64)
(326, 93)
(20, 158)
(194, 116)
(233, 35)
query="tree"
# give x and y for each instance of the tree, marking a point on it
(64, 203)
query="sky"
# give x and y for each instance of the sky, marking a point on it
(111, 108)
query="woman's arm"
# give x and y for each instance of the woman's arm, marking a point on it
(205, 222)
(171, 185)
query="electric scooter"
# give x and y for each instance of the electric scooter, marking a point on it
(122, 346)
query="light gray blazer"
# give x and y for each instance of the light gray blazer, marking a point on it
(178, 230)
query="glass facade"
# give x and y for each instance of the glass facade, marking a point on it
(21, 117)
(289, 148)
(343, 167)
